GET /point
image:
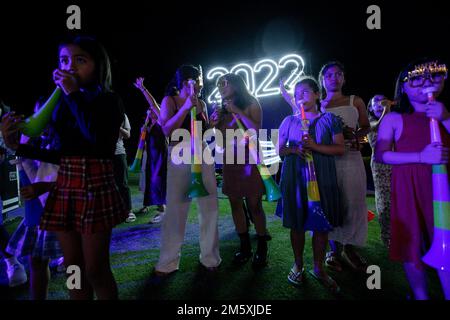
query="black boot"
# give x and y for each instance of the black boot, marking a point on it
(245, 251)
(260, 257)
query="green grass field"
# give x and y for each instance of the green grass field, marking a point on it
(135, 252)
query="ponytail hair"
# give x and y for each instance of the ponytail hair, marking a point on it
(182, 74)
(322, 72)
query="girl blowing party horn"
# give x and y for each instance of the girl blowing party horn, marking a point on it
(241, 179)
(309, 142)
(419, 209)
(85, 204)
(175, 120)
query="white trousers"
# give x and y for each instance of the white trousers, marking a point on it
(177, 208)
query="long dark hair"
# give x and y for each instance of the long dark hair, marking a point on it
(322, 72)
(5, 109)
(312, 83)
(403, 104)
(183, 73)
(371, 115)
(98, 53)
(242, 97)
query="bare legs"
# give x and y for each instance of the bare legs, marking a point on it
(39, 277)
(91, 254)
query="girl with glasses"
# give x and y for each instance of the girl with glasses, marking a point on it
(404, 142)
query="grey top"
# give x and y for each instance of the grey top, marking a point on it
(120, 149)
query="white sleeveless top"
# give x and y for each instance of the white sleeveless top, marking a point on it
(349, 114)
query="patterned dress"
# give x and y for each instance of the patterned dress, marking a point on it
(382, 180)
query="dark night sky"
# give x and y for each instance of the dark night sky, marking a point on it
(152, 39)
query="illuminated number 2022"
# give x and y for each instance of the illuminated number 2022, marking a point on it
(262, 78)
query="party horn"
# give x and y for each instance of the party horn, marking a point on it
(272, 190)
(35, 124)
(136, 166)
(196, 188)
(438, 256)
(316, 219)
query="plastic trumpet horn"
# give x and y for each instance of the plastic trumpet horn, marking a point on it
(438, 256)
(272, 190)
(316, 219)
(136, 166)
(35, 124)
(196, 189)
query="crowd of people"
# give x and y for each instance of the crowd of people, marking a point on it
(74, 178)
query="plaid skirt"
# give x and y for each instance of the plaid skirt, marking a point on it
(33, 241)
(85, 198)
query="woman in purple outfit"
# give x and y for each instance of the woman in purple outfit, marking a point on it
(156, 164)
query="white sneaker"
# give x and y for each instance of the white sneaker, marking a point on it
(158, 217)
(16, 275)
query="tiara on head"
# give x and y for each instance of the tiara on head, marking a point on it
(426, 68)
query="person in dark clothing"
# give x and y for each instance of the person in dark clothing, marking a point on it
(85, 204)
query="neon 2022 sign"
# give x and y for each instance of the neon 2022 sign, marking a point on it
(262, 78)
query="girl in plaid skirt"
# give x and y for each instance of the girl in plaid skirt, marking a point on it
(85, 203)
(29, 240)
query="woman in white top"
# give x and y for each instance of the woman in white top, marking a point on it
(350, 169)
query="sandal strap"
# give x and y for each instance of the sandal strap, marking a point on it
(330, 255)
(295, 275)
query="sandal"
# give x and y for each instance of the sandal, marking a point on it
(131, 217)
(157, 218)
(327, 282)
(296, 277)
(142, 210)
(332, 262)
(358, 264)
